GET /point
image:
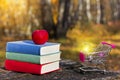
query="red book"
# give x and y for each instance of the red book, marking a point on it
(30, 67)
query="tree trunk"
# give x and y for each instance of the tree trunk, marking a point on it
(88, 10)
(112, 5)
(62, 26)
(47, 20)
(100, 12)
(118, 9)
(80, 8)
(64, 22)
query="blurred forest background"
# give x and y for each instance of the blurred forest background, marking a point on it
(80, 25)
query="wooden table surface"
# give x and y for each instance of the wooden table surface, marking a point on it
(65, 73)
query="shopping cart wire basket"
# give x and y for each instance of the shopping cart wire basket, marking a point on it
(97, 57)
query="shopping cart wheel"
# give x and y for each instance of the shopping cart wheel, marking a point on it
(78, 70)
(103, 72)
(83, 72)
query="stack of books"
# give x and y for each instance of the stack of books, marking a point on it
(25, 56)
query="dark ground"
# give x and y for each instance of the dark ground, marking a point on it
(67, 72)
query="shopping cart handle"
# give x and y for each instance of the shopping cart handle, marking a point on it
(112, 45)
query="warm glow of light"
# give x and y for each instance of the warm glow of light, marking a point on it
(86, 47)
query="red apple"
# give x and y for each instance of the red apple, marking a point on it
(40, 36)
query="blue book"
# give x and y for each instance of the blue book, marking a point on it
(28, 47)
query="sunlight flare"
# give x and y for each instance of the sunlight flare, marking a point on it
(86, 47)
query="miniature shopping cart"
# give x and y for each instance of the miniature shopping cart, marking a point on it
(96, 58)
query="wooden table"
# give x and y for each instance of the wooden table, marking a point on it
(65, 73)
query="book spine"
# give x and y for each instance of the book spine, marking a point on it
(23, 57)
(23, 67)
(21, 48)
